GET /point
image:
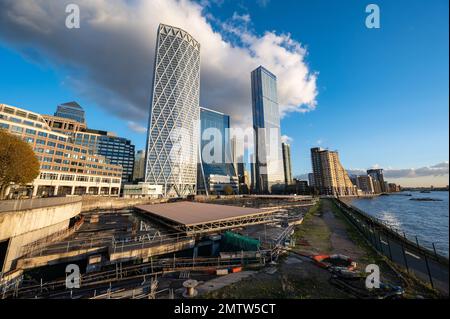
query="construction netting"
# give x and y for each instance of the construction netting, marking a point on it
(234, 242)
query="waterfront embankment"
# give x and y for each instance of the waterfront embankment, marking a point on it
(410, 257)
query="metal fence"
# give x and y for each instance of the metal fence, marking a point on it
(418, 261)
(24, 204)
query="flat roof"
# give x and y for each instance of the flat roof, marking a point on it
(193, 213)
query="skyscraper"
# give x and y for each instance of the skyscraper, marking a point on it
(71, 110)
(139, 166)
(330, 177)
(216, 169)
(287, 163)
(266, 123)
(378, 178)
(172, 141)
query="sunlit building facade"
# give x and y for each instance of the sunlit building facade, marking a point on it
(66, 168)
(172, 141)
(330, 177)
(266, 123)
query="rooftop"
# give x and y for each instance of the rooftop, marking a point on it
(193, 213)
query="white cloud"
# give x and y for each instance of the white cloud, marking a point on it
(286, 139)
(135, 127)
(110, 58)
(439, 169)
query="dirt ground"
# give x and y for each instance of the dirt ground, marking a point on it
(323, 231)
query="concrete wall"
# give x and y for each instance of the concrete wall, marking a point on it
(25, 226)
(112, 203)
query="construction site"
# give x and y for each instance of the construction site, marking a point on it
(166, 250)
(239, 247)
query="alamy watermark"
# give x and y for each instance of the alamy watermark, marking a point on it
(73, 16)
(373, 19)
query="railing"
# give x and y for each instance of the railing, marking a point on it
(416, 260)
(34, 203)
(145, 270)
(40, 244)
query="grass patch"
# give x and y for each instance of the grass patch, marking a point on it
(313, 230)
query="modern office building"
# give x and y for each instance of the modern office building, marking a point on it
(172, 141)
(71, 110)
(286, 148)
(365, 184)
(66, 168)
(302, 187)
(378, 178)
(216, 169)
(330, 177)
(118, 150)
(266, 123)
(311, 180)
(139, 166)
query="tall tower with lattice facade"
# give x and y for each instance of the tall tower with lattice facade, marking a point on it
(172, 141)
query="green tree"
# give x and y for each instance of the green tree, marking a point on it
(18, 163)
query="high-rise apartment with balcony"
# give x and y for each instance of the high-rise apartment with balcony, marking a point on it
(330, 177)
(266, 123)
(378, 179)
(172, 141)
(71, 110)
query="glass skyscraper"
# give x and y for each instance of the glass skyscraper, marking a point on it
(172, 141)
(71, 110)
(266, 123)
(216, 171)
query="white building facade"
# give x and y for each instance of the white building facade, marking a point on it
(172, 141)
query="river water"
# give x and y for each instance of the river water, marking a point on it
(428, 220)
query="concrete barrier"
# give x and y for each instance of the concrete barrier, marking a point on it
(113, 203)
(31, 220)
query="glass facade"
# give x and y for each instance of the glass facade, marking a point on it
(214, 125)
(71, 110)
(118, 150)
(266, 123)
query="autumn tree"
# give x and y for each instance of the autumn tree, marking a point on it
(228, 190)
(18, 163)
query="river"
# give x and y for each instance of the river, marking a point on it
(428, 220)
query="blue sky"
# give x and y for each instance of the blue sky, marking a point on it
(382, 94)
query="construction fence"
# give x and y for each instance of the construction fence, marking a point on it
(426, 265)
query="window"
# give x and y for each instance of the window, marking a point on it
(21, 113)
(29, 140)
(30, 131)
(8, 110)
(16, 129)
(39, 141)
(28, 123)
(52, 144)
(43, 134)
(4, 125)
(53, 136)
